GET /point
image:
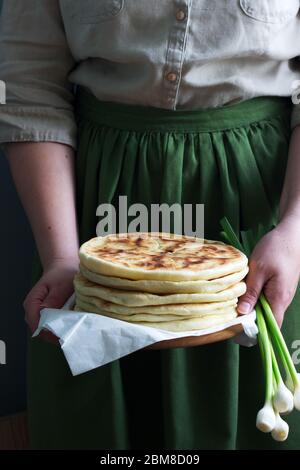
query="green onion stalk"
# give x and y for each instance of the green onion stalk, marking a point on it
(283, 399)
(276, 335)
(266, 418)
(281, 396)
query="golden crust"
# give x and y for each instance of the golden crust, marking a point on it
(161, 252)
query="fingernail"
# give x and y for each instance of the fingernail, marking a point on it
(244, 307)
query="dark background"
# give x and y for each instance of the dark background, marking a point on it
(16, 247)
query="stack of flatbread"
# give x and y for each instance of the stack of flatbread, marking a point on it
(162, 280)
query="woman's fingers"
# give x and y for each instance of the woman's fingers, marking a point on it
(279, 295)
(52, 291)
(45, 295)
(273, 269)
(32, 304)
(278, 288)
(255, 281)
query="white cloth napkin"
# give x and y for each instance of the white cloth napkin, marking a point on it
(89, 340)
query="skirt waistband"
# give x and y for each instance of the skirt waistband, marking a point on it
(142, 118)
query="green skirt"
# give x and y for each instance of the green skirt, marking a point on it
(231, 159)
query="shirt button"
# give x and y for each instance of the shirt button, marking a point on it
(171, 76)
(180, 15)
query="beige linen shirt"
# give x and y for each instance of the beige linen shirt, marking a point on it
(172, 54)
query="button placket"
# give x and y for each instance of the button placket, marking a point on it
(180, 15)
(174, 58)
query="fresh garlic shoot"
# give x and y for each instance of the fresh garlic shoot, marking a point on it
(281, 429)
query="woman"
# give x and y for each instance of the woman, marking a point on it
(177, 101)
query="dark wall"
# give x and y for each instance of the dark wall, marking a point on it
(16, 254)
(16, 247)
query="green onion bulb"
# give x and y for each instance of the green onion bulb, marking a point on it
(283, 399)
(266, 418)
(281, 429)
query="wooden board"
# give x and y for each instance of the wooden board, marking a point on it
(187, 342)
(190, 341)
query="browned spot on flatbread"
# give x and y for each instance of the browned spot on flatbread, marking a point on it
(164, 252)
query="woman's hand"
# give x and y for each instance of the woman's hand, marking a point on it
(44, 175)
(52, 290)
(274, 268)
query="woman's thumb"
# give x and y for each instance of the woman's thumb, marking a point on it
(255, 281)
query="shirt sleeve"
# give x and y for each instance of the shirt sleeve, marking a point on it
(35, 62)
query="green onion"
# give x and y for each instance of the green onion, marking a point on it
(288, 379)
(280, 397)
(278, 338)
(282, 350)
(266, 419)
(283, 400)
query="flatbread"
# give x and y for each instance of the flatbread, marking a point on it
(166, 322)
(176, 309)
(166, 287)
(193, 324)
(160, 256)
(146, 317)
(134, 298)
